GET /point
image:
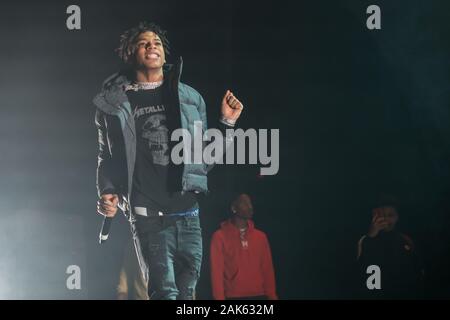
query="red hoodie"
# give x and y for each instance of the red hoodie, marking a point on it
(241, 268)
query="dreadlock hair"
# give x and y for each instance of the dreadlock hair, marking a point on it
(128, 39)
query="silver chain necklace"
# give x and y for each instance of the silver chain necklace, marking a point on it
(143, 85)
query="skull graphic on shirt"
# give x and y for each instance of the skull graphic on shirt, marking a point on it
(156, 132)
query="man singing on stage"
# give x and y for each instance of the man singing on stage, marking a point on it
(137, 110)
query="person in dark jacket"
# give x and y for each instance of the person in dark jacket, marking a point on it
(393, 253)
(137, 111)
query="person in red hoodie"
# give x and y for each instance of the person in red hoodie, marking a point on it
(241, 260)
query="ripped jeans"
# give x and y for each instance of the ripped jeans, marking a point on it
(172, 249)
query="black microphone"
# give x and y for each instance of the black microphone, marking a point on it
(104, 232)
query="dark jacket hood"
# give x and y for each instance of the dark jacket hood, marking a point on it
(112, 94)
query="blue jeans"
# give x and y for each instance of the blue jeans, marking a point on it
(172, 249)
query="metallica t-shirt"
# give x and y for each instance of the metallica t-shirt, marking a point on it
(150, 179)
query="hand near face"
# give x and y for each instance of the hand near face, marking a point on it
(378, 222)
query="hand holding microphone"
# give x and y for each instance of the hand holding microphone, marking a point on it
(107, 206)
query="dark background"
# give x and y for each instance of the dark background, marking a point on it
(360, 112)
